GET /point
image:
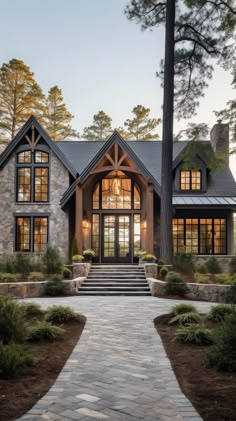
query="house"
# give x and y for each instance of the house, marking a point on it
(107, 195)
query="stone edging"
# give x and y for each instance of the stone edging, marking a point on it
(36, 289)
(204, 292)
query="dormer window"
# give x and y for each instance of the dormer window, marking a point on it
(190, 180)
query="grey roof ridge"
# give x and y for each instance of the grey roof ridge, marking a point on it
(32, 120)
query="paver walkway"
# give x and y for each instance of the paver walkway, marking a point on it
(119, 369)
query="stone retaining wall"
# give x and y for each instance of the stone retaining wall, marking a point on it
(203, 292)
(81, 269)
(36, 289)
(224, 261)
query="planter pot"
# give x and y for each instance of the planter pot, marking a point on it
(148, 261)
(88, 259)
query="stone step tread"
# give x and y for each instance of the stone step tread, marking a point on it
(115, 283)
(118, 293)
(113, 288)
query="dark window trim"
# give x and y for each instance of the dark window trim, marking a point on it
(32, 165)
(32, 216)
(190, 190)
(213, 231)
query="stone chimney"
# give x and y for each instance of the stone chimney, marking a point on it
(219, 138)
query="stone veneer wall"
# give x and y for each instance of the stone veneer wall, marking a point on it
(204, 292)
(58, 219)
(36, 289)
(224, 261)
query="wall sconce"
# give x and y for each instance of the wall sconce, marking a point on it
(85, 224)
(144, 224)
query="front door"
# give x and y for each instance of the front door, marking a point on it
(116, 247)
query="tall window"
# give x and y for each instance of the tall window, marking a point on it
(95, 233)
(137, 234)
(31, 233)
(116, 192)
(200, 235)
(32, 176)
(190, 180)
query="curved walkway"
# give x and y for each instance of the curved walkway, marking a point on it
(119, 369)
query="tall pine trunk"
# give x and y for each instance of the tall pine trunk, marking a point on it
(166, 246)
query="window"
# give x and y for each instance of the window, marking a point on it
(137, 234)
(200, 235)
(116, 192)
(32, 176)
(190, 180)
(31, 233)
(95, 233)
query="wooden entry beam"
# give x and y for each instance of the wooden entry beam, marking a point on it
(79, 218)
(150, 219)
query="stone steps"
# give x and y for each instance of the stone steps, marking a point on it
(115, 280)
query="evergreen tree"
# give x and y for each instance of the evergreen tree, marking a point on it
(20, 97)
(141, 127)
(100, 129)
(195, 31)
(57, 117)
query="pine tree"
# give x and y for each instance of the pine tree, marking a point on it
(141, 127)
(195, 31)
(57, 117)
(100, 129)
(20, 97)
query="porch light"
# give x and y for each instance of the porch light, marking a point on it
(144, 224)
(85, 224)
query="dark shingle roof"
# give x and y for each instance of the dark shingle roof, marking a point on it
(80, 154)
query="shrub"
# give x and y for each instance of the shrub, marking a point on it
(194, 334)
(148, 257)
(89, 253)
(77, 258)
(7, 264)
(222, 355)
(161, 262)
(230, 293)
(175, 285)
(219, 312)
(67, 273)
(74, 249)
(22, 263)
(13, 360)
(183, 262)
(55, 287)
(52, 260)
(233, 265)
(201, 278)
(44, 330)
(60, 314)
(12, 320)
(8, 277)
(186, 318)
(223, 278)
(32, 309)
(201, 269)
(212, 265)
(36, 277)
(163, 271)
(183, 308)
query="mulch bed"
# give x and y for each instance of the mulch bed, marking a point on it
(17, 396)
(212, 393)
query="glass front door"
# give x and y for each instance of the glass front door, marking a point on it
(116, 239)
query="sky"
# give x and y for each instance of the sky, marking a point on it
(100, 59)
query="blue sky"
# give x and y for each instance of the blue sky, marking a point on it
(99, 59)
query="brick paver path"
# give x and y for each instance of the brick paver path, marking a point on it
(119, 369)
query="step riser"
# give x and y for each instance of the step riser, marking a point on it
(116, 281)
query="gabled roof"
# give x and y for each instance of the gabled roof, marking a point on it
(53, 145)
